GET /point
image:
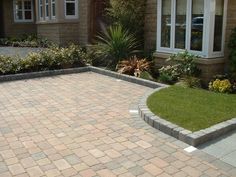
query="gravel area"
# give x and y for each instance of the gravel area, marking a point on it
(18, 51)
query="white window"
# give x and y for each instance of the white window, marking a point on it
(195, 25)
(40, 9)
(53, 9)
(71, 9)
(23, 10)
(46, 9)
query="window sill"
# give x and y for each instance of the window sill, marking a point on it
(202, 60)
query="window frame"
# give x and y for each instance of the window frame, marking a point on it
(23, 11)
(76, 9)
(208, 29)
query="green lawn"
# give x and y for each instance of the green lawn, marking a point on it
(192, 109)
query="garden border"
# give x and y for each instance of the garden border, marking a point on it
(191, 138)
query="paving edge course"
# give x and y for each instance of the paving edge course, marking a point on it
(191, 138)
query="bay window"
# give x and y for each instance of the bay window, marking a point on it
(71, 9)
(23, 10)
(195, 25)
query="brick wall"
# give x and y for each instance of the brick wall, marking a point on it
(10, 27)
(208, 67)
(150, 25)
(64, 31)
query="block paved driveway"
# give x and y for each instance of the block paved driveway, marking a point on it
(80, 125)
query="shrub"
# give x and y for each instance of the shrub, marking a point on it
(133, 66)
(192, 82)
(116, 43)
(52, 58)
(169, 74)
(186, 63)
(232, 51)
(129, 14)
(222, 86)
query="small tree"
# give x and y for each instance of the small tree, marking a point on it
(129, 14)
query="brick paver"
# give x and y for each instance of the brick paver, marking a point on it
(80, 125)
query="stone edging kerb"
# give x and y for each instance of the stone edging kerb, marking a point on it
(191, 138)
(22, 76)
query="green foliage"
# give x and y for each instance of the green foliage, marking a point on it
(129, 14)
(232, 48)
(191, 82)
(184, 67)
(26, 41)
(115, 44)
(52, 58)
(186, 63)
(169, 74)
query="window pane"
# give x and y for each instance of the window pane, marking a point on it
(218, 25)
(53, 10)
(18, 5)
(19, 15)
(166, 23)
(180, 24)
(28, 15)
(197, 24)
(27, 5)
(70, 8)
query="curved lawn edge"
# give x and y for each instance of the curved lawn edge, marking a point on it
(189, 137)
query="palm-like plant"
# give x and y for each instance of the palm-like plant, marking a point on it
(116, 43)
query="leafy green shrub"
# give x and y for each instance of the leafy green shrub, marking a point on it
(192, 82)
(26, 41)
(169, 74)
(222, 86)
(232, 53)
(186, 63)
(95, 56)
(129, 14)
(116, 43)
(184, 67)
(52, 58)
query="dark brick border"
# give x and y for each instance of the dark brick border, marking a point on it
(191, 138)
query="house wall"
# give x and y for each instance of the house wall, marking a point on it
(209, 67)
(64, 31)
(12, 28)
(1, 19)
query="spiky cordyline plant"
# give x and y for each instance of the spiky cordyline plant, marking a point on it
(117, 43)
